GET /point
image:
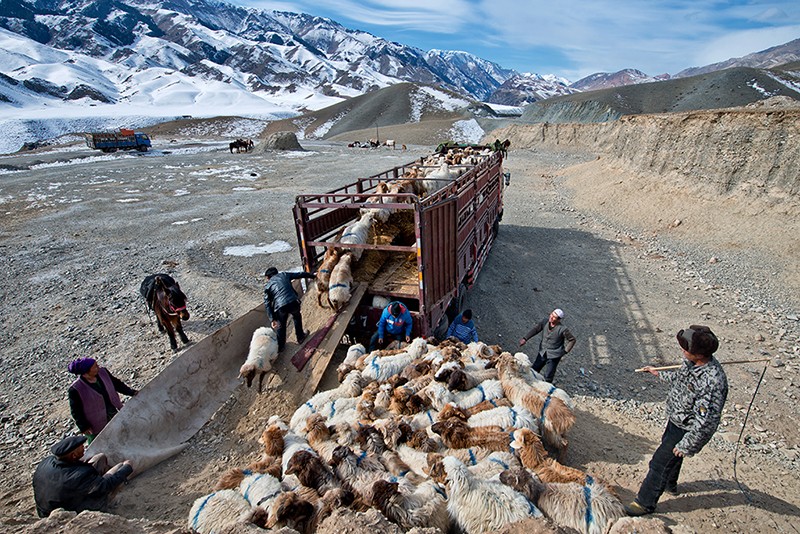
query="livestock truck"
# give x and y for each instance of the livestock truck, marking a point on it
(434, 247)
(124, 139)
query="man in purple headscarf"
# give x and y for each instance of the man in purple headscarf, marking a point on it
(94, 396)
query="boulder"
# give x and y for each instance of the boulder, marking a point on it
(282, 141)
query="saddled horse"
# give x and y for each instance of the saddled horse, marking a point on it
(241, 144)
(164, 296)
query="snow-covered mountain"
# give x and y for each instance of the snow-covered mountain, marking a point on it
(605, 80)
(212, 53)
(527, 88)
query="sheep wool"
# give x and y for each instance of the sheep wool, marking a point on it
(216, 511)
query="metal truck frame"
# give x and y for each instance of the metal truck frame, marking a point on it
(454, 231)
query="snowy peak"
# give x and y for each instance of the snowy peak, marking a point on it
(524, 89)
(605, 80)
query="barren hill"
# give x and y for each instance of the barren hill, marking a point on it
(720, 89)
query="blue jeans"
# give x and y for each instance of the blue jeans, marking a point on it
(664, 468)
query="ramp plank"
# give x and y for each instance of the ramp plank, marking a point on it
(327, 347)
(301, 357)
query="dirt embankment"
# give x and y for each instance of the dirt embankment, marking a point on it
(751, 151)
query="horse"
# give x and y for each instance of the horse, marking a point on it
(240, 144)
(163, 295)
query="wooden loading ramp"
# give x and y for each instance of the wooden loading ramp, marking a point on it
(321, 347)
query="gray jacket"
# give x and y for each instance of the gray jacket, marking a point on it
(278, 292)
(695, 402)
(555, 342)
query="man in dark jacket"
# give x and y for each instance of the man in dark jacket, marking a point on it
(395, 322)
(281, 301)
(94, 396)
(556, 341)
(697, 394)
(65, 481)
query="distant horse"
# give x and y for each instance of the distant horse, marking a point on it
(390, 143)
(164, 296)
(241, 144)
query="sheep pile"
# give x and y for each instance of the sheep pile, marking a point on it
(335, 272)
(447, 436)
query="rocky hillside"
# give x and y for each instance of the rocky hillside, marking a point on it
(720, 89)
(744, 151)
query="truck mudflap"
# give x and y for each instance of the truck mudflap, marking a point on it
(157, 423)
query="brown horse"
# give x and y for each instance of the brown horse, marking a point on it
(164, 296)
(241, 144)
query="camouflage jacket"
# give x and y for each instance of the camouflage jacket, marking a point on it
(695, 402)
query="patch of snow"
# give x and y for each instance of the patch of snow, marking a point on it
(128, 200)
(181, 192)
(249, 251)
(466, 131)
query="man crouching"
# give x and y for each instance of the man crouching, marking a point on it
(64, 480)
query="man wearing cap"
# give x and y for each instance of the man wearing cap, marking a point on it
(556, 341)
(281, 301)
(395, 322)
(64, 480)
(694, 407)
(94, 396)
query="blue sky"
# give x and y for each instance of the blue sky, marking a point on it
(570, 38)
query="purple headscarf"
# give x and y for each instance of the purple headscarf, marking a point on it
(80, 366)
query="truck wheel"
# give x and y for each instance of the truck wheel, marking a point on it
(142, 148)
(496, 227)
(441, 329)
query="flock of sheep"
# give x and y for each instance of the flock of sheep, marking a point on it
(335, 272)
(462, 438)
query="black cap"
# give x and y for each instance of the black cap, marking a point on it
(272, 271)
(395, 309)
(67, 445)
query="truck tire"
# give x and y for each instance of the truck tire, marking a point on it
(441, 329)
(142, 148)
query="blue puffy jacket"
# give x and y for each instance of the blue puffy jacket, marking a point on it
(395, 325)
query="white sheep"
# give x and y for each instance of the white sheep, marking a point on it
(216, 511)
(540, 384)
(263, 352)
(379, 214)
(382, 367)
(341, 283)
(356, 234)
(350, 387)
(482, 505)
(260, 489)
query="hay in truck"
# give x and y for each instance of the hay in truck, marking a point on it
(124, 139)
(433, 222)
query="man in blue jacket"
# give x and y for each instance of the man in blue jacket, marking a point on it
(395, 322)
(462, 328)
(281, 301)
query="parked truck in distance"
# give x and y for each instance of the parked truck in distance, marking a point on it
(124, 139)
(430, 250)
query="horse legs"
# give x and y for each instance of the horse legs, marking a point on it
(179, 328)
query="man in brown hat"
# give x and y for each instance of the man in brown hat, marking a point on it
(64, 480)
(694, 406)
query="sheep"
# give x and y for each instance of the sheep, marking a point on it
(379, 214)
(292, 444)
(380, 368)
(260, 490)
(356, 234)
(461, 380)
(354, 352)
(231, 478)
(323, 277)
(502, 416)
(360, 470)
(290, 510)
(533, 456)
(480, 505)
(272, 439)
(340, 283)
(438, 395)
(350, 387)
(555, 418)
(320, 436)
(437, 179)
(538, 382)
(590, 509)
(263, 352)
(313, 473)
(425, 507)
(218, 510)
(456, 434)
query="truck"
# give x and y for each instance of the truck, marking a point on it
(124, 139)
(439, 244)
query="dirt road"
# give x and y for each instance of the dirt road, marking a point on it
(78, 235)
